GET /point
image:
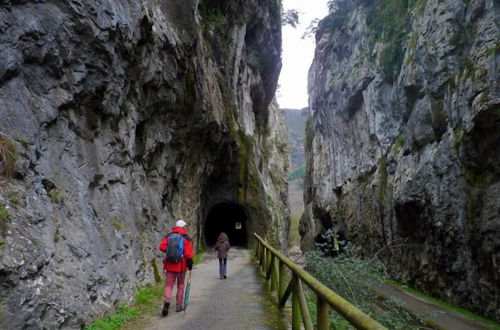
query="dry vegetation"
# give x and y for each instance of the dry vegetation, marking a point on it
(8, 156)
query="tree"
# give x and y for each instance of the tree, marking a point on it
(290, 17)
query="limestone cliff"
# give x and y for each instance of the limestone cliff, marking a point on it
(116, 119)
(403, 145)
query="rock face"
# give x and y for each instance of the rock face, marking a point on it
(123, 116)
(403, 145)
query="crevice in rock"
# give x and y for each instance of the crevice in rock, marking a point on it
(408, 216)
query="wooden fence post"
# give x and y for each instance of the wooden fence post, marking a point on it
(304, 309)
(326, 297)
(272, 268)
(282, 278)
(322, 312)
(295, 303)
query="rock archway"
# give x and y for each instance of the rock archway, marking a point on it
(229, 218)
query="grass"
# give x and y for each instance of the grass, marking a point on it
(15, 199)
(444, 304)
(56, 195)
(117, 224)
(198, 256)
(4, 214)
(125, 314)
(400, 142)
(274, 317)
(146, 300)
(2, 245)
(457, 138)
(382, 167)
(25, 143)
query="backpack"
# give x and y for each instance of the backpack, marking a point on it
(175, 248)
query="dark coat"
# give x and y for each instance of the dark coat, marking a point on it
(222, 247)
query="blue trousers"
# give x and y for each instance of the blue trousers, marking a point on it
(222, 266)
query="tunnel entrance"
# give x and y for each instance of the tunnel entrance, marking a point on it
(229, 218)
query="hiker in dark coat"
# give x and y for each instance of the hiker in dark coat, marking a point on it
(222, 246)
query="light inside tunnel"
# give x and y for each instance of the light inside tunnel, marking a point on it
(229, 218)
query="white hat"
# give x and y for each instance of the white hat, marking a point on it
(180, 223)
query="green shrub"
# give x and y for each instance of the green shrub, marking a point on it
(256, 65)
(339, 12)
(213, 18)
(387, 21)
(290, 17)
(353, 277)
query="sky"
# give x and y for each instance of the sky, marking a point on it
(298, 53)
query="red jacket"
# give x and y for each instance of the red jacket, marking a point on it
(181, 266)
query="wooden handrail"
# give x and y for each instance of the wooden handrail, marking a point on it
(324, 294)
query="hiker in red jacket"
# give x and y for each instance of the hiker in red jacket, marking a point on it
(176, 271)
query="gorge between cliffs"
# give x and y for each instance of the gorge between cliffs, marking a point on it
(117, 118)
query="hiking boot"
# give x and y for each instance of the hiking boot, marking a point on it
(225, 276)
(164, 312)
(179, 308)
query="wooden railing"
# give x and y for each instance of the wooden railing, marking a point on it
(274, 265)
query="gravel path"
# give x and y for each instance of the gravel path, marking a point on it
(233, 303)
(238, 301)
(436, 315)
